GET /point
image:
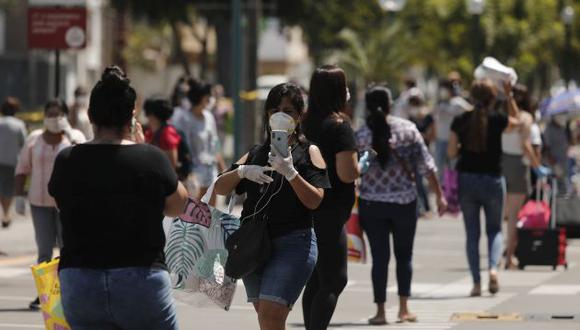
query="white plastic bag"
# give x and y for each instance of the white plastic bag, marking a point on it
(494, 70)
(20, 205)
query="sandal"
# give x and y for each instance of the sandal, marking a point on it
(493, 284)
(411, 318)
(377, 320)
(6, 223)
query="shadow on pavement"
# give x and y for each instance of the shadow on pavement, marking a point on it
(11, 310)
(334, 325)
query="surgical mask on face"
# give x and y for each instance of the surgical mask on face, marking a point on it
(211, 103)
(414, 111)
(561, 120)
(185, 104)
(347, 95)
(82, 100)
(55, 125)
(444, 95)
(283, 122)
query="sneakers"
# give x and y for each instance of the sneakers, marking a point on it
(34, 305)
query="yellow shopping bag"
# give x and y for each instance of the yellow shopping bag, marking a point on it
(48, 287)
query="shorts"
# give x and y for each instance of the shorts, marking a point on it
(7, 181)
(282, 279)
(516, 173)
(205, 174)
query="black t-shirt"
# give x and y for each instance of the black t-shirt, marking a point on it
(489, 161)
(336, 136)
(284, 211)
(111, 200)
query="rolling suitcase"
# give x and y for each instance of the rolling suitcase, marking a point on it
(543, 246)
(568, 215)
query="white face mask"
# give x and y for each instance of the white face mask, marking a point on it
(185, 104)
(283, 122)
(55, 125)
(347, 95)
(561, 120)
(444, 95)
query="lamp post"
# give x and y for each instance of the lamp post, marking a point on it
(475, 9)
(567, 18)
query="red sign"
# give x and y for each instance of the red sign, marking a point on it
(57, 28)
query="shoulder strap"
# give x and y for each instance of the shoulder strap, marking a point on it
(410, 174)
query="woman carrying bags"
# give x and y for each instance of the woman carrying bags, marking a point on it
(282, 192)
(388, 196)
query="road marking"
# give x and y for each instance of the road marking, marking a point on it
(15, 325)
(22, 260)
(555, 289)
(8, 272)
(15, 298)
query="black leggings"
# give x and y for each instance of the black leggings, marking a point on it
(330, 274)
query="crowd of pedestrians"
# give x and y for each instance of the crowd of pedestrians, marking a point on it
(103, 201)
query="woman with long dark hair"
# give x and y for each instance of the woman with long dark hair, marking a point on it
(476, 138)
(283, 192)
(388, 195)
(112, 194)
(328, 127)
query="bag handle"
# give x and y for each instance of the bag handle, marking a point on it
(210, 193)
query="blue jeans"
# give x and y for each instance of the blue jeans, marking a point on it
(441, 158)
(284, 276)
(379, 220)
(121, 298)
(477, 191)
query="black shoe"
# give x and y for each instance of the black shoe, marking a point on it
(35, 304)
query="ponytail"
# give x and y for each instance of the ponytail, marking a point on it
(483, 94)
(378, 103)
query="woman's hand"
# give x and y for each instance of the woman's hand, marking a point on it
(255, 173)
(138, 135)
(284, 166)
(441, 204)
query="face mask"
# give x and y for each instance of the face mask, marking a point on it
(347, 95)
(82, 100)
(283, 122)
(55, 125)
(211, 103)
(561, 120)
(185, 104)
(444, 95)
(414, 111)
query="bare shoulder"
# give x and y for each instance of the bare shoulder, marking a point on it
(243, 160)
(316, 157)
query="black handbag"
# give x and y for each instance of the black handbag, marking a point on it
(248, 248)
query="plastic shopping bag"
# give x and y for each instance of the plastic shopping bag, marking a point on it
(355, 238)
(451, 190)
(196, 255)
(48, 286)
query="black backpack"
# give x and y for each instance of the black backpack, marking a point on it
(184, 164)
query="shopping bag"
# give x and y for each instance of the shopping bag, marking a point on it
(355, 238)
(451, 190)
(196, 254)
(48, 286)
(535, 214)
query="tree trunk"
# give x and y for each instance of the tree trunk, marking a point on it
(178, 49)
(223, 33)
(121, 33)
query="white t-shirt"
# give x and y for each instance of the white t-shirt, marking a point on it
(444, 114)
(201, 134)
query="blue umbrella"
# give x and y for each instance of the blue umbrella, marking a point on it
(566, 102)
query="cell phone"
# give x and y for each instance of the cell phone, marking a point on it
(280, 142)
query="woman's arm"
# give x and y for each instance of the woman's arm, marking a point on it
(19, 182)
(175, 203)
(228, 181)
(172, 155)
(453, 146)
(436, 188)
(347, 166)
(310, 196)
(513, 110)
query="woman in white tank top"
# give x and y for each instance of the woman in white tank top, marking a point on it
(518, 156)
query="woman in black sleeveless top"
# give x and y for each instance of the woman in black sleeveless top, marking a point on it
(327, 126)
(283, 192)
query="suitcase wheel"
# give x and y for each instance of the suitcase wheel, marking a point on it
(521, 266)
(554, 267)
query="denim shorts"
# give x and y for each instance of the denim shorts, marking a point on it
(121, 298)
(282, 279)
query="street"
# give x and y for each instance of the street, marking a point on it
(537, 298)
